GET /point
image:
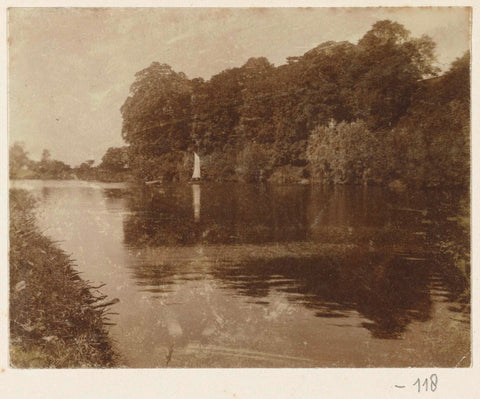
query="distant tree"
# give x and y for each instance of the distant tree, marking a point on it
(43, 167)
(115, 159)
(48, 168)
(45, 155)
(18, 157)
(57, 170)
(87, 164)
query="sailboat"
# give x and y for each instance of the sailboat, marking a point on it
(196, 167)
(196, 187)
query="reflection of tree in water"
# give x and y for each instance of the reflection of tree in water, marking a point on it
(448, 234)
(237, 213)
(158, 219)
(154, 278)
(160, 278)
(115, 193)
(396, 293)
(390, 291)
(229, 214)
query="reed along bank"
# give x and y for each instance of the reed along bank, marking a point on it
(57, 320)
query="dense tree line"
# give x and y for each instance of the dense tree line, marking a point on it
(22, 167)
(373, 113)
(114, 166)
(428, 146)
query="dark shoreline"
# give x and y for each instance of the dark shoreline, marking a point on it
(57, 320)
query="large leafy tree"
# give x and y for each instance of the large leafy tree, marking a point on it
(216, 111)
(387, 70)
(311, 92)
(437, 128)
(258, 101)
(156, 116)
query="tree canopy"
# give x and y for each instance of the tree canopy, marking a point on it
(365, 95)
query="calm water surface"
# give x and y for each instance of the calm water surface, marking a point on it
(231, 275)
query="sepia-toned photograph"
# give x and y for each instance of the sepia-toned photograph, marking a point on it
(239, 188)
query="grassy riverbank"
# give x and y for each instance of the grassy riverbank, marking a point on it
(57, 320)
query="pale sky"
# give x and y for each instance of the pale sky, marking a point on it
(70, 69)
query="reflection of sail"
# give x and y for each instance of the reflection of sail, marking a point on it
(196, 167)
(196, 201)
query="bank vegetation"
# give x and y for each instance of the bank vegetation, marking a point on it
(57, 320)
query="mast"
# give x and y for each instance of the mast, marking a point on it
(196, 167)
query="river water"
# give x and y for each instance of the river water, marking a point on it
(232, 275)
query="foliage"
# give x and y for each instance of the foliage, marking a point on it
(252, 163)
(56, 319)
(51, 169)
(115, 160)
(21, 167)
(387, 70)
(428, 147)
(438, 126)
(219, 165)
(115, 167)
(390, 119)
(156, 115)
(18, 158)
(46, 155)
(343, 153)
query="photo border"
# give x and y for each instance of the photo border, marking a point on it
(233, 383)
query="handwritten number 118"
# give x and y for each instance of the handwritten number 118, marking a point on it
(428, 383)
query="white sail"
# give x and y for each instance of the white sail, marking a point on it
(196, 167)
